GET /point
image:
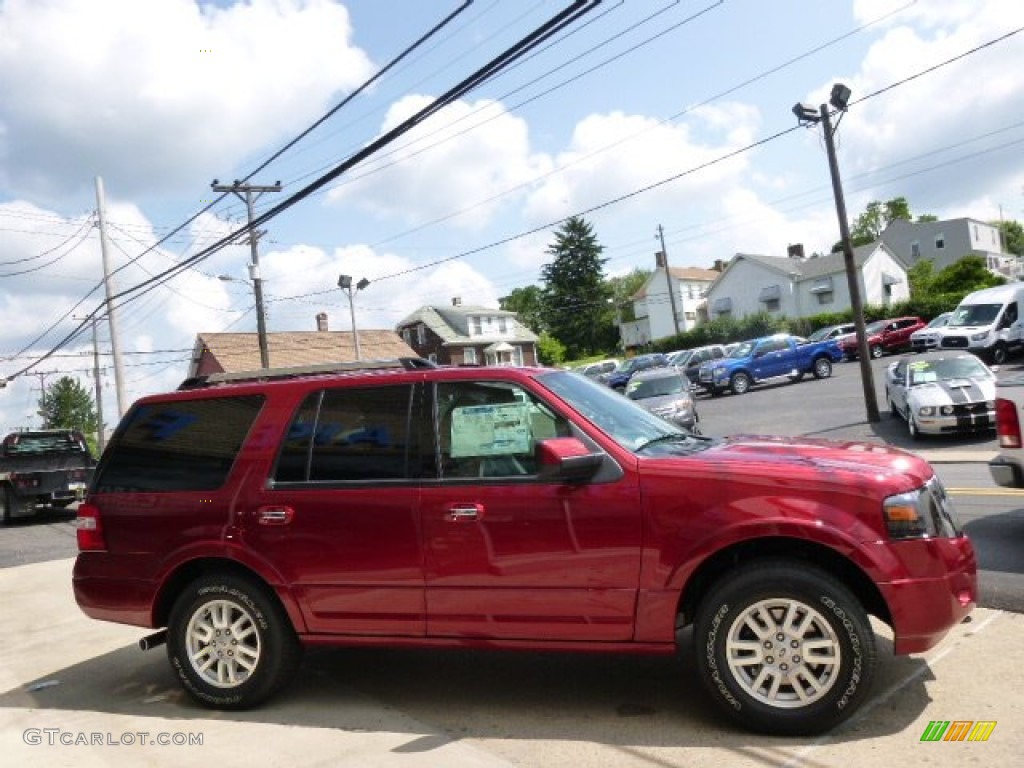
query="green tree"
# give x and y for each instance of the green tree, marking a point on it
(878, 215)
(526, 302)
(66, 404)
(966, 275)
(1013, 235)
(576, 307)
(550, 350)
(624, 288)
(921, 277)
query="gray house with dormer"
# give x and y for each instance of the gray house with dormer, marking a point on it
(796, 286)
(946, 242)
(468, 335)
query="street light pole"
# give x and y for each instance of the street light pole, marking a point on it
(806, 113)
(345, 283)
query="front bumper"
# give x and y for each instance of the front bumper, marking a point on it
(941, 593)
(975, 421)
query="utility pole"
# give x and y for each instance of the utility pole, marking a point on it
(98, 387)
(115, 339)
(238, 188)
(668, 279)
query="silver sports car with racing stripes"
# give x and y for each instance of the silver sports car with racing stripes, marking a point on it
(942, 392)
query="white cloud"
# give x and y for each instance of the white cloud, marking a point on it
(162, 92)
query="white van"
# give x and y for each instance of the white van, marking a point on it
(988, 323)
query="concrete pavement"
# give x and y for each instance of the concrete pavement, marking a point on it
(66, 678)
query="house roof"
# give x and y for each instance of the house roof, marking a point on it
(688, 274)
(451, 323)
(241, 351)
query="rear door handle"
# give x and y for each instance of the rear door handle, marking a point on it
(464, 513)
(274, 515)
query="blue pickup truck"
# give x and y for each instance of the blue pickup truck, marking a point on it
(770, 357)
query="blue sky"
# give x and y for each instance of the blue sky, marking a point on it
(161, 97)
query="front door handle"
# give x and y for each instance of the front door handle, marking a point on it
(464, 513)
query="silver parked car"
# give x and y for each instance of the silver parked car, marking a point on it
(942, 392)
(928, 337)
(665, 392)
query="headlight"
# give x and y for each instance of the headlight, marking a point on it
(979, 336)
(921, 513)
(947, 410)
(925, 410)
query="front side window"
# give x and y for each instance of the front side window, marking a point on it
(352, 434)
(490, 429)
(180, 445)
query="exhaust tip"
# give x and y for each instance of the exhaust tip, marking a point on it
(150, 642)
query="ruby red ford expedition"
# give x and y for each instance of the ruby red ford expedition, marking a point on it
(510, 508)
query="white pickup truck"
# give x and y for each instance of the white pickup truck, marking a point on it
(1008, 467)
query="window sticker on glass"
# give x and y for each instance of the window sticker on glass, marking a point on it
(491, 430)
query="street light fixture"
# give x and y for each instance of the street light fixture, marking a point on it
(345, 283)
(807, 115)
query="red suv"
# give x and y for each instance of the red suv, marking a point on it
(884, 336)
(510, 508)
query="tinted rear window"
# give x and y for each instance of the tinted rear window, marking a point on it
(184, 445)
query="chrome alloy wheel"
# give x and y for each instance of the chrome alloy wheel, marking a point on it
(223, 643)
(783, 653)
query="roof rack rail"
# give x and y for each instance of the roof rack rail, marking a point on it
(267, 374)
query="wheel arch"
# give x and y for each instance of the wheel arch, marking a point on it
(777, 548)
(187, 572)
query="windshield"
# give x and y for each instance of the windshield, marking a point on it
(940, 321)
(681, 358)
(820, 334)
(928, 371)
(620, 418)
(876, 327)
(656, 387)
(743, 350)
(975, 314)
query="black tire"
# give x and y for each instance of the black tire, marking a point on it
(796, 377)
(764, 593)
(912, 430)
(740, 383)
(268, 637)
(876, 351)
(13, 506)
(714, 391)
(998, 354)
(822, 368)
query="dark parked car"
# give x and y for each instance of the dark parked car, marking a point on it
(690, 361)
(509, 508)
(618, 378)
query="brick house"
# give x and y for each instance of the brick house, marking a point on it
(468, 335)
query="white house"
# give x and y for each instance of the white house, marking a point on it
(946, 242)
(801, 287)
(654, 305)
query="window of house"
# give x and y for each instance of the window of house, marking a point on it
(469, 356)
(474, 326)
(432, 357)
(407, 336)
(771, 305)
(915, 249)
(825, 297)
(421, 334)
(502, 325)
(940, 241)
(690, 315)
(517, 355)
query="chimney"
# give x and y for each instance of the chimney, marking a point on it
(795, 251)
(719, 265)
(321, 321)
(456, 301)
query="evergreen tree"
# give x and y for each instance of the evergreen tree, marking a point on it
(66, 404)
(575, 306)
(526, 303)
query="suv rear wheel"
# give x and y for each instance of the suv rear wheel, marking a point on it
(230, 643)
(784, 648)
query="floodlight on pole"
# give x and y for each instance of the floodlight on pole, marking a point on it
(345, 283)
(806, 115)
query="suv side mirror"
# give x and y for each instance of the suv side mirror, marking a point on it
(566, 459)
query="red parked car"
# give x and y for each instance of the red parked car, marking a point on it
(510, 508)
(884, 336)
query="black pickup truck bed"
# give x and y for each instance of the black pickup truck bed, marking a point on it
(42, 468)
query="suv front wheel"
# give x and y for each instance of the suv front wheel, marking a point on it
(784, 648)
(230, 643)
